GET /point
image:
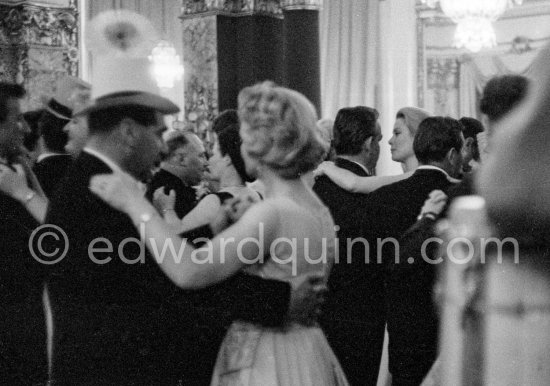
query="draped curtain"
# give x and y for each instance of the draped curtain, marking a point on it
(348, 37)
(475, 71)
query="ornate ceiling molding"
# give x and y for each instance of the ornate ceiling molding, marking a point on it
(194, 8)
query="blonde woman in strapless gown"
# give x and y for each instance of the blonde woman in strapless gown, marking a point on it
(297, 355)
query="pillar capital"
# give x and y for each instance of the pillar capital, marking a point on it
(39, 45)
(310, 5)
(194, 8)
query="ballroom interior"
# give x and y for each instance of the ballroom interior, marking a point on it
(384, 54)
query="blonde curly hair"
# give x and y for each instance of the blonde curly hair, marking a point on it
(278, 129)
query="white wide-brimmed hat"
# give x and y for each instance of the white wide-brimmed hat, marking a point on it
(122, 72)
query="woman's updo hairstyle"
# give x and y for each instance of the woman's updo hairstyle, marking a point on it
(229, 142)
(278, 128)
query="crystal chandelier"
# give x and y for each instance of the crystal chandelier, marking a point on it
(474, 19)
(167, 67)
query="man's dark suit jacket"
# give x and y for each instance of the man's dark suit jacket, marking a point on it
(411, 316)
(128, 324)
(185, 195)
(353, 315)
(51, 170)
(22, 332)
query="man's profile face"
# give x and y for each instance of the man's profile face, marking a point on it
(12, 130)
(467, 154)
(192, 160)
(374, 153)
(148, 146)
(456, 167)
(77, 133)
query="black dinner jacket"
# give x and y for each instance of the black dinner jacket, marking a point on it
(128, 324)
(185, 195)
(22, 332)
(354, 287)
(51, 170)
(394, 208)
(353, 315)
(411, 316)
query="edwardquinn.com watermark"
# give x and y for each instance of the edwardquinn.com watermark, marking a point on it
(49, 244)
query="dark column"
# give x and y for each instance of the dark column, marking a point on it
(250, 50)
(301, 48)
(227, 46)
(233, 44)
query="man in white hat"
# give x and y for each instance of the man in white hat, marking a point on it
(118, 320)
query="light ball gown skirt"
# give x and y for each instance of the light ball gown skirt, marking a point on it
(253, 355)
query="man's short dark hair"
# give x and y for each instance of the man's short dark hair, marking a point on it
(107, 119)
(9, 90)
(471, 128)
(226, 118)
(51, 130)
(352, 127)
(435, 137)
(501, 94)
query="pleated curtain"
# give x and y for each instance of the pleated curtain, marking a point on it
(348, 37)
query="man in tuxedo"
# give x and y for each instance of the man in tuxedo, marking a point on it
(53, 161)
(353, 315)
(183, 168)
(22, 335)
(391, 210)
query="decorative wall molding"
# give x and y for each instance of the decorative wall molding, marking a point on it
(442, 73)
(9, 63)
(442, 78)
(201, 73)
(194, 8)
(291, 5)
(28, 24)
(41, 43)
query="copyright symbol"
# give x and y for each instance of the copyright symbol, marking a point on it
(56, 250)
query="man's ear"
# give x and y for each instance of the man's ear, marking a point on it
(468, 142)
(453, 156)
(227, 160)
(129, 131)
(367, 144)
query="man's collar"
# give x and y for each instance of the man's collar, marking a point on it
(356, 163)
(361, 166)
(108, 161)
(43, 156)
(172, 170)
(432, 167)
